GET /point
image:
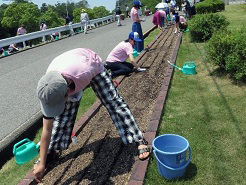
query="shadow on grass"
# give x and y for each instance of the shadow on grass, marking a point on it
(111, 158)
(220, 72)
(227, 106)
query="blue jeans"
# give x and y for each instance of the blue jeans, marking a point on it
(136, 27)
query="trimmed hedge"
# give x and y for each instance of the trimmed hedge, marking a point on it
(202, 26)
(210, 6)
(228, 50)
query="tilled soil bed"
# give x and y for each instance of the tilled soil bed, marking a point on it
(100, 157)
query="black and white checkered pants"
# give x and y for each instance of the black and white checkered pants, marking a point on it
(119, 111)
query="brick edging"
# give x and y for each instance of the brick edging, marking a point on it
(139, 168)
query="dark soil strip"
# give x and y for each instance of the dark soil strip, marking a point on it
(100, 157)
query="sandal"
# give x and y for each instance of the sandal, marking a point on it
(143, 150)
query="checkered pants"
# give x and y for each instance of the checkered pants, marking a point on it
(119, 111)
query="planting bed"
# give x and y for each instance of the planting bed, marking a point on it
(100, 157)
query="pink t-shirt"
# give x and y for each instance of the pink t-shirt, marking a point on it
(134, 14)
(79, 65)
(156, 18)
(182, 19)
(21, 31)
(162, 13)
(120, 53)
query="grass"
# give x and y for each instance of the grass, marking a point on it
(8, 173)
(208, 110)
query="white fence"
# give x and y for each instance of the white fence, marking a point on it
(39, 34)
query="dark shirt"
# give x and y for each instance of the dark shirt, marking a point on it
(118, 11)
(68, 20)
(187, 6)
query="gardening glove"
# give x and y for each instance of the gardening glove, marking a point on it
(141, 69)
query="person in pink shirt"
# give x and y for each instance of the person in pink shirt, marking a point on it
(163, 18)
(158, 19)
(21, 31)
(182, 23)
(136, 26)
(60, 91)
(116, 60)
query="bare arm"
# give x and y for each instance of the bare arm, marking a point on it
(45, 141)
(132, 60)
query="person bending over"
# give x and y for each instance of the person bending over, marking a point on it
(60, 91)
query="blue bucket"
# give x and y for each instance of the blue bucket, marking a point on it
(170, 151)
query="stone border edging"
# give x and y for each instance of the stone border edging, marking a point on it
(140, 167)
(82, 122)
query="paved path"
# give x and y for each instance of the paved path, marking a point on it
(20, 73)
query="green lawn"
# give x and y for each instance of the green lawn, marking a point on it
(10, 169)
(208, 109)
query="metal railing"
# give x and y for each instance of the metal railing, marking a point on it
(23, 38)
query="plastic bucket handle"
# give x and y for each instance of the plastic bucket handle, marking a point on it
(179, 168)
(20, 143)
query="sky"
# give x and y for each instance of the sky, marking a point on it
(109, 4)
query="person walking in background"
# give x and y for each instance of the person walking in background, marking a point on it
(118, 13)
(43, 27)
(173, 3)
(60, 92)
(136, 26)
(188, 9)
(70, 24)
(84, 18)
(127, 11)
(116, 60)
(21, 31)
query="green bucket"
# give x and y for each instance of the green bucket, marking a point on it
(25, 150)
(5, 53)
(57, 37)
(189, 68)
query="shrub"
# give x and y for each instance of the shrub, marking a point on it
(228, 50)
(210, 6)
(202, 26)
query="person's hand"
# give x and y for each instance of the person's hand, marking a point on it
(141, 69)
(38, 172)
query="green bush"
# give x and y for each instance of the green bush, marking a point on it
(228, 50)
(202, 26)
(210, 6)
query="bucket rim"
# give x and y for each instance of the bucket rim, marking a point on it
(170, 153)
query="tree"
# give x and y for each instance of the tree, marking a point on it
(4, 32)
(52, 18)
(44, 8)
(100, 11)
(28, 14)
(83, 4)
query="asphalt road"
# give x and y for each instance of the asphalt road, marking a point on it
(19, 73)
